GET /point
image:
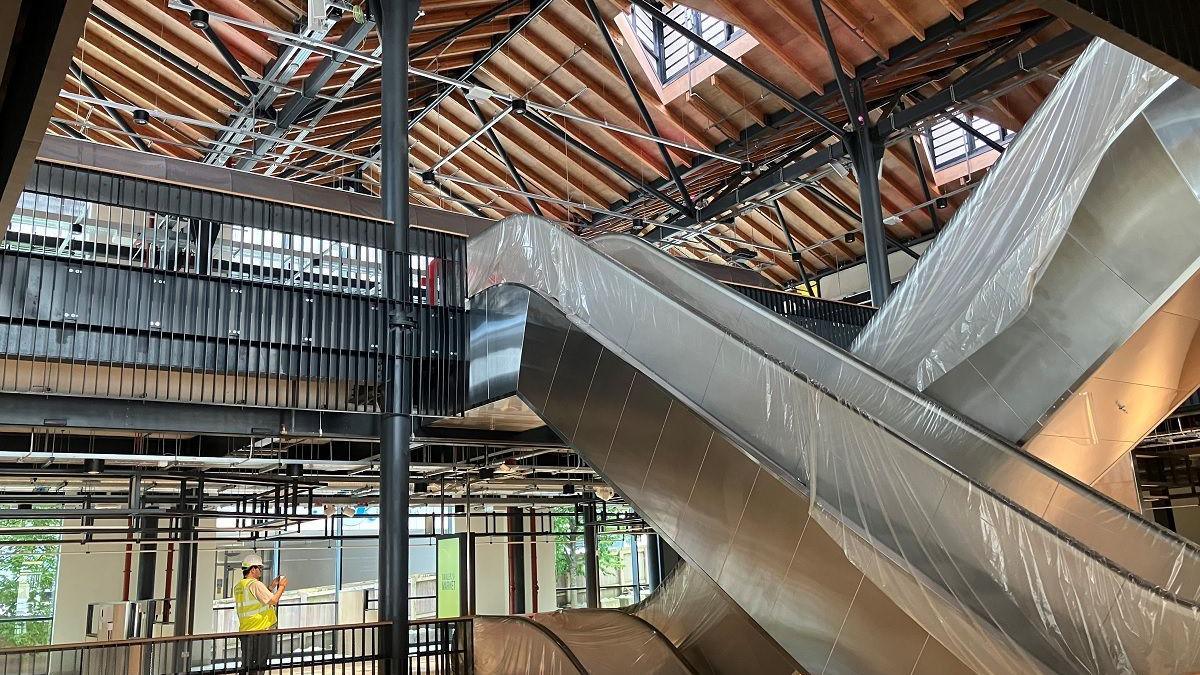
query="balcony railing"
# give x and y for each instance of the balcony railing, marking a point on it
(837, 322)
(122, 287)
(441, 647)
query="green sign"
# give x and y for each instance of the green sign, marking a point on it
(450, 576)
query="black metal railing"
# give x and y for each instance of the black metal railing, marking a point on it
(122, 287)
(442, 647)
(837, 322)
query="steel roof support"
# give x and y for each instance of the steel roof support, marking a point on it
(795, 103)
(587, 150)
(641, 105)
(535, 9)
(796, 256)
(939, 33)
(94, 90)
(970, 85)
(916, 155)
(866, 151)
(512, 168)
(351, 39)
(166, 55)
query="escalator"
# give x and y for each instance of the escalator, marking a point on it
(902, 557)
(862, 526)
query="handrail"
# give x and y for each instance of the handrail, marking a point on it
(100, 644)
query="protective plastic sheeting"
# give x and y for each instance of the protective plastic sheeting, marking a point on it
(610, 642)
(516, 646)
(989, 578)
(708, 629)
(979, 275)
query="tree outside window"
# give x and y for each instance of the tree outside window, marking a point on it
(569, 556)
(28, 576)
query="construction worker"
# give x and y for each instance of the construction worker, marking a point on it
(256, 613)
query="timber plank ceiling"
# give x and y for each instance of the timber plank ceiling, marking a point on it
(315, 118)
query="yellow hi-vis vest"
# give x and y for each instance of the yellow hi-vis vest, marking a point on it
(252, 614)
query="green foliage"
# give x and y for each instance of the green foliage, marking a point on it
(28, 574)
(568, 549)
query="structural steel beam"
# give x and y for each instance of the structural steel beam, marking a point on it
(795, 103)
(936, 34)
(508, 163)
(535, 9)
(590, 152)
(316, 80)
(641, 105)
(970, 85)
(167, 55)
(1162, 32)
(116, 117)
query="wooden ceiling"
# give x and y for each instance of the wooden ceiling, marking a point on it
(135, 52)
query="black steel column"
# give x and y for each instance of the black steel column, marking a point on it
(147, 528)
(591, 563)
(516, 561)
(185, 583)
(867, 154)
(653, 562)
(394, 19)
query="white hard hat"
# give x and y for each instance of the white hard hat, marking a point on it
(252, 560)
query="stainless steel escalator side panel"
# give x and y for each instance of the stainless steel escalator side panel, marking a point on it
(494, 351)
(511, 645)
(1136, 543)
(708, 628)
(723, 512)
(1096, 521)
(1134, 241)
(870, 470)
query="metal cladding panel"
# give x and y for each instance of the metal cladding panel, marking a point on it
(569, 391)
(674, 468)
(606, 398)
(497, 330)
(545, 337)
(710, 500)
(628, 458)
(717, 503)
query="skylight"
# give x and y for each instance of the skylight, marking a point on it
(671, 53)
(949, 143)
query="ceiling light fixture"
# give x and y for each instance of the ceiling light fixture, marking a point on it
(93, 466)
(141, 117)
(198, 18)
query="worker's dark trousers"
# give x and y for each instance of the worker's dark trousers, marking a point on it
(257, 650)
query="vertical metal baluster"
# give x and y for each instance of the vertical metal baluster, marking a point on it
(323, 295)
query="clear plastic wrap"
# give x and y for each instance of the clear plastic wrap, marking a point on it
(610, 642)
(516, 646)
(708, 629)
(974, 563)
(979, 275)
